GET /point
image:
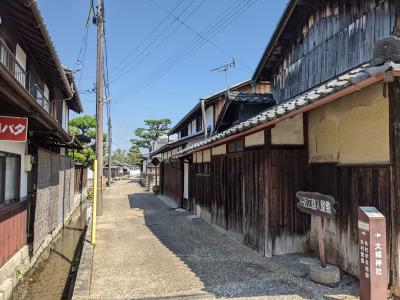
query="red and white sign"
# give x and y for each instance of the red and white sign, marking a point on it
(13, 129)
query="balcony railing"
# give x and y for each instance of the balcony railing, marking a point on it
(8, 59)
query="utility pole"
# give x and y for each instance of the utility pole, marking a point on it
(99, 107)
(109, 142)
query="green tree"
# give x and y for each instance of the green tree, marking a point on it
(148, 135)
(135, 158)
(120, 156)
(84, 128)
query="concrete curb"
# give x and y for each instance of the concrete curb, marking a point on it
(83, 278)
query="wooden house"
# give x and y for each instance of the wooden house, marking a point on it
(220, 111)
(334, 73)
(39, 184)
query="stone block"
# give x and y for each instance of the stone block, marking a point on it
(329, 276)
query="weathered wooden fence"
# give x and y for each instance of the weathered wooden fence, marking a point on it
(172, 180)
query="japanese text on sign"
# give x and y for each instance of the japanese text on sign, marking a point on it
(316, 203)
(13, 129)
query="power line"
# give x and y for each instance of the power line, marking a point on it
(148, 36)
(202, 36)
(139, 59)
(190, 48)
(83, 47)
(220, 23)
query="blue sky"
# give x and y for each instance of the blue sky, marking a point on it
(156, 78)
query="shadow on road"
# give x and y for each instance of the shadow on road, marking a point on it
(226, 268)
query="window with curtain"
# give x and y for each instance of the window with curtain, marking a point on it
(10, 170)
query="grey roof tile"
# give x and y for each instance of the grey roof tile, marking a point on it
(335, 84)
(251, 98)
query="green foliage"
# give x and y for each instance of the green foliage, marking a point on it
(84, 128)
(135, 158)
(132, 158)
(152, 131)
(18, 272)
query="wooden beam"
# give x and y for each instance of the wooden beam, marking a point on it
(268, 192)
(394, 236)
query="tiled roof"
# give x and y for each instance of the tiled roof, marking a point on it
(207, 100)
(251, 98)
(314, 95)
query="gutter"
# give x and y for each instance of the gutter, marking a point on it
(346, 91)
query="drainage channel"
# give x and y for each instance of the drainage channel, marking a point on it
(53, 276)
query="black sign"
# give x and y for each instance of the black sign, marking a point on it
(155, 161)
(316, 204)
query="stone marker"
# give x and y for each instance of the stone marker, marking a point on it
(373, 254)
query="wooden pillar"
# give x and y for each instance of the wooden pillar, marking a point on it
(394, 236)
(268, 187)
(396, 6)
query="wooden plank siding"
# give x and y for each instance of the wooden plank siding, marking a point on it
(352, 186)
(234, 192)
(289, 175)
(254, 195)
(218, 176)
(237, 196)
(172, 180)
(336, 36)
(12, 230)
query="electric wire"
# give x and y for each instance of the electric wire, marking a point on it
(139, 59)
(82, 51)
(219, 24)
(148, 36)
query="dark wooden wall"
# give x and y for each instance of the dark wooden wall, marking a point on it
(218, 175)
(172, 180)
(352, 186)
(289, 175)
(255, 195)
(337, 36)
(234, 192)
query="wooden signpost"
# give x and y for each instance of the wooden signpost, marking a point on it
(320, 206)
(373, 254)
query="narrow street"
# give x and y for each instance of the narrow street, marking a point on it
(145, 250)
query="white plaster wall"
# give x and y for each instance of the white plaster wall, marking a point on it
(220, 150)
(288, 132)
(20, 57)
(194, 126)
(254, 139)
(210, 117)
(199, 158)
(18, 148)
(65, 116)
(186, 180)
(353, 129)
(207, 155)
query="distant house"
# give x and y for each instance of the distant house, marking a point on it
(40, 186)
(150, 173)
(334, 70)
(221, 110)
(119, 170)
